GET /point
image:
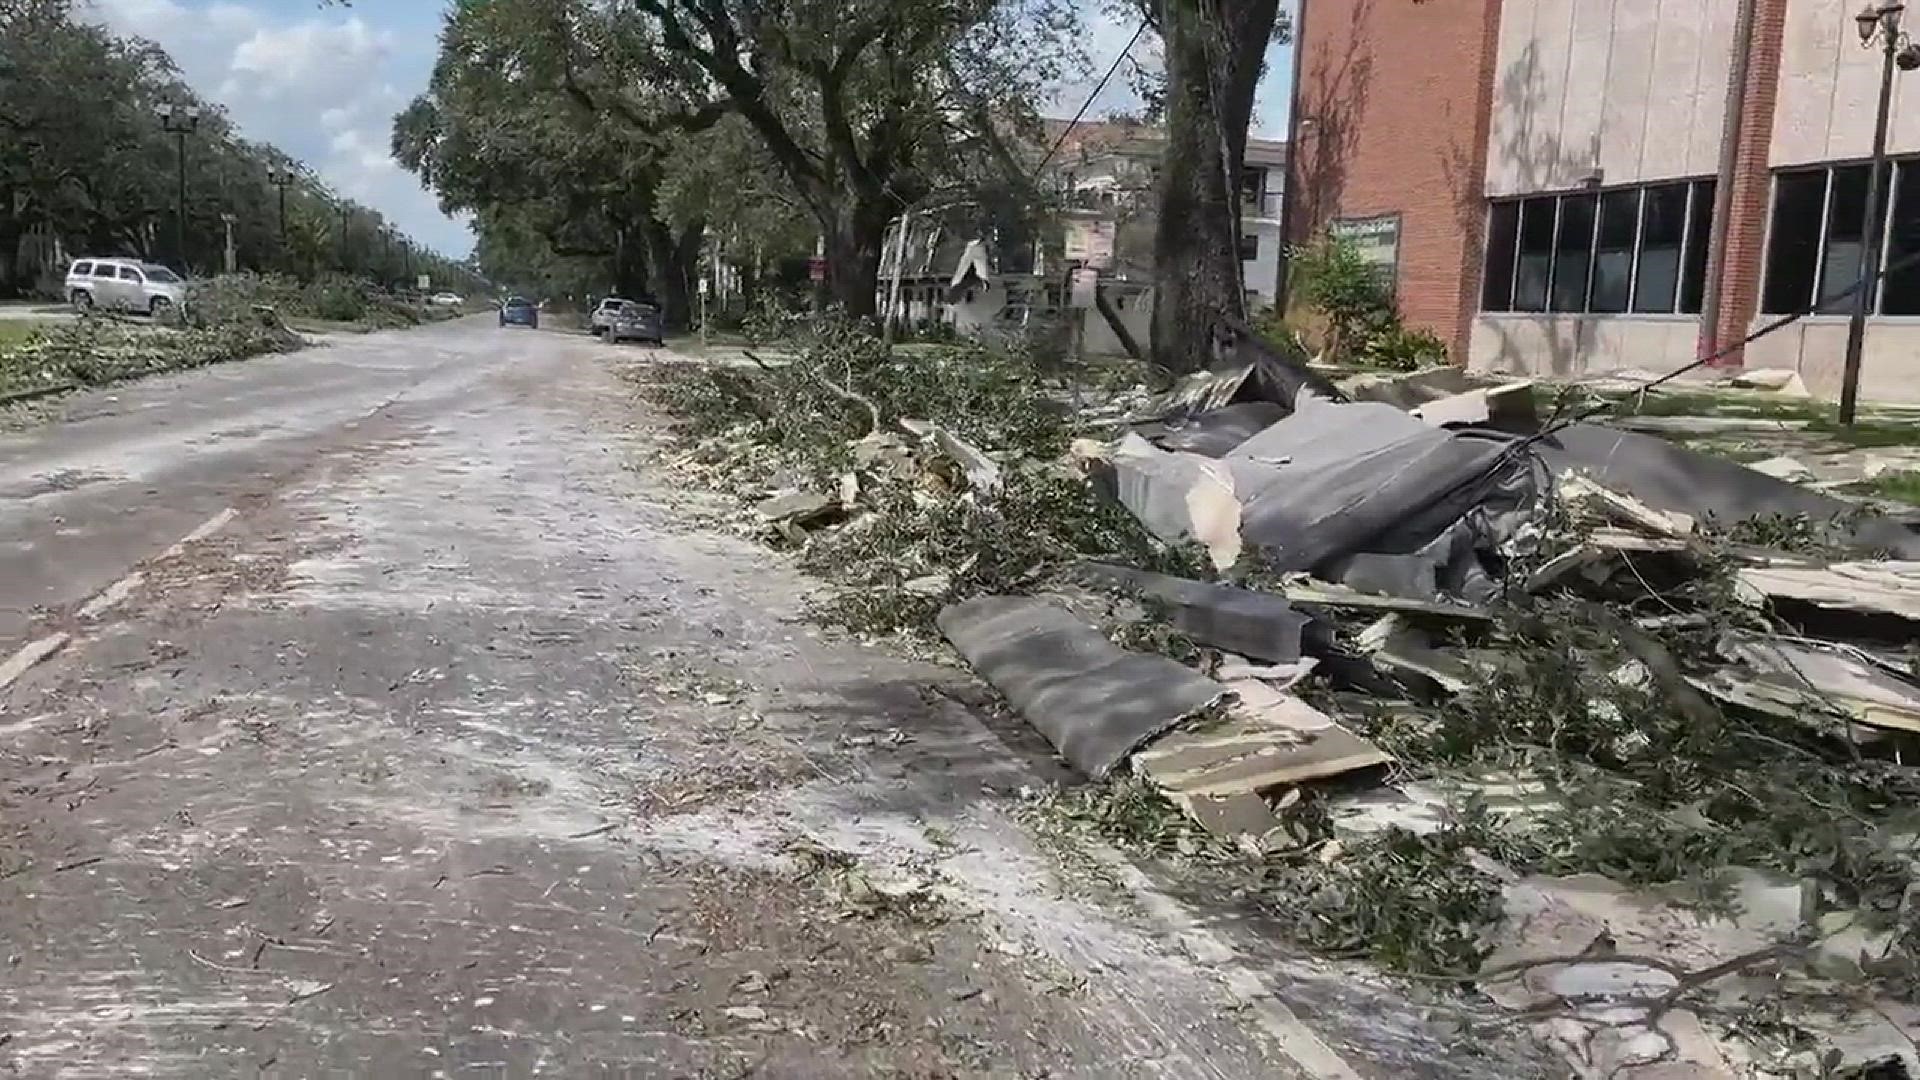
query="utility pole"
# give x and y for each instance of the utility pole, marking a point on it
(282, 179)
(179, 121)
(1878, 24)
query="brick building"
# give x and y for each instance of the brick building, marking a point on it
(1543, 176)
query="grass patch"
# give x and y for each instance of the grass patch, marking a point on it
(1866, 434)
(1897, 486)
(1708, 403)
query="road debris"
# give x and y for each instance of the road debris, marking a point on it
(1471, 692)
(1095, 702)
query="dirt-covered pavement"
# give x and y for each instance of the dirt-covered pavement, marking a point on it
(397, 718)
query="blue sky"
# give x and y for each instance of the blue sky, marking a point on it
(323, 83)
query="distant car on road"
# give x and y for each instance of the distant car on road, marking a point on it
(635, 322)
(602, 315)
(124, 285)
(519, 311)
(446, 299)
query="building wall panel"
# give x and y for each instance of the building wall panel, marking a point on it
(1634, 87)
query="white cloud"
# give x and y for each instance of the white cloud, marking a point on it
(321, 85)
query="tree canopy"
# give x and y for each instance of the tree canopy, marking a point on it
(597, 123)
(103, 179)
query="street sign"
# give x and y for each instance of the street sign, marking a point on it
(423, 282)
(1090, 240)
(1375, 239)
(817, 268)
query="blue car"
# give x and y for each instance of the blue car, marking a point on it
(519, 311)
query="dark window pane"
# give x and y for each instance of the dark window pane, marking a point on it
(1663, 226)
(1503, 231)
(1846, 236)
(1572, 252)
(1249, 248)
(1901, 294)
(1535, 265)
(1793, 241)
(1613, 255)
(1693, 281)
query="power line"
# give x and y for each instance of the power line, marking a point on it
(1087, 104)
(1778, 324)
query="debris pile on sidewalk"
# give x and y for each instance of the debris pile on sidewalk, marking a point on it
(1557, 710)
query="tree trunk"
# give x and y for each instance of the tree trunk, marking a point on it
(13, 282)
(629, 262)
(853, 256)
(671, 283)
(1214, 53)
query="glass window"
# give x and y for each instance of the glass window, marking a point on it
(81, 269)
(104, 270)
(1573, 252)
(1613, 251)
(1693, 278)
(128, 273)
(1793, 244)
(1534, 266)
(159, 273)
(1249, 248)
(1663, 228)
(1503, 231)
(1846, 237)
(1900, 295)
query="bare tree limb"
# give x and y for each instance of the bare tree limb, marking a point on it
(873, 411)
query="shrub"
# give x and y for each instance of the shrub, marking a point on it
(1402, 349)
(1331, 277)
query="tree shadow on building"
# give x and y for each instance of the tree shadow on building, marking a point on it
(1530, 155)
(1337, 87)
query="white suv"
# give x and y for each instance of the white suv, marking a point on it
(124, 285)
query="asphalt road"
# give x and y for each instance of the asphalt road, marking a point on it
(382, 710)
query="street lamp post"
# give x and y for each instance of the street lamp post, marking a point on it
(1879, 24)
(179, 121)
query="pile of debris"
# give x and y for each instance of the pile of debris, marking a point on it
(1425, 633)
(1541, 635)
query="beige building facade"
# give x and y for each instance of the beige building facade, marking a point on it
(1604, 130)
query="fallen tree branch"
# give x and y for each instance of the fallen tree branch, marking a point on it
(873, 411)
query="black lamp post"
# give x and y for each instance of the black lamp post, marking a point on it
(179, 121)
(1879, 24)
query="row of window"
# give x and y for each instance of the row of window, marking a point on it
(1637, 249)
(1644, 249)
(1818, 237)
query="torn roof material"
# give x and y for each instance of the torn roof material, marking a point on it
(1888, 588)
(1260, 625)
(1334, 480)
(1095, 702)
(1670, 477)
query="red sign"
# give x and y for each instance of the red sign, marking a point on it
(817, 268)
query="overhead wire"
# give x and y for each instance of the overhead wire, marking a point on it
(1088, 103)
